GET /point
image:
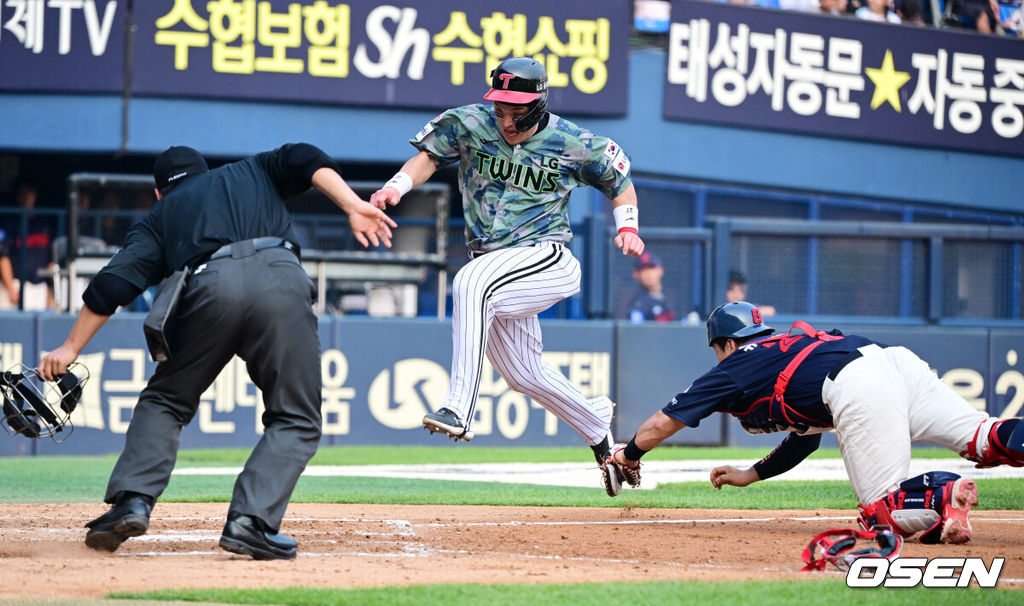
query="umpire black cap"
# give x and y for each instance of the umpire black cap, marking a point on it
(735, 321)
(175, 164)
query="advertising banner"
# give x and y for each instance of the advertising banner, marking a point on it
(66, 46)
(410, 53)
(847, 78)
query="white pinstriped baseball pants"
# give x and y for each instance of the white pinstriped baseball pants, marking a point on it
(497, 297)
(883, 402)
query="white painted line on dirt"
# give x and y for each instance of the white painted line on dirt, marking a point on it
(586, 475)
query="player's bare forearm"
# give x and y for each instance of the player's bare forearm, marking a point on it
(416, 169)
(7, 274)
(420, 167)
(653, 432)
(656, 430)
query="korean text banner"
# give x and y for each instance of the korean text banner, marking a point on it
(844, 78)
(75, 46)
(410, 53)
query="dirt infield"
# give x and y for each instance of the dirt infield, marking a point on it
(344, 546)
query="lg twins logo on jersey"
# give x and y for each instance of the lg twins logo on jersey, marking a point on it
(911, 572)
(617, 157)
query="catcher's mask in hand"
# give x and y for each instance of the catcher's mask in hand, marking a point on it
(37, 408)
(837, 546)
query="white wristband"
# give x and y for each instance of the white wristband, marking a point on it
(401, 182)
(626, 218)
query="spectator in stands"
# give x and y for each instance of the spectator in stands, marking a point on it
(909, 12)
(737, 291)
(8, 287)
(877, 10)
(836, 8)
(649, 303)
(27, 253)
(806, 6)
(977, 14)
(1012, 17)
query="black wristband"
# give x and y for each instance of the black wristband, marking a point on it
(632, 451)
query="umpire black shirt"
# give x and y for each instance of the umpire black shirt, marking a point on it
(235, 202)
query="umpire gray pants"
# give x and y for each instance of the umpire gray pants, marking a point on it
(260, 308)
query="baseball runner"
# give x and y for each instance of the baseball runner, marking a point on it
(518, 164)
(245, 294)
(878, 399)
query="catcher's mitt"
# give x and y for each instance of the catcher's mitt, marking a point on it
(613, 474)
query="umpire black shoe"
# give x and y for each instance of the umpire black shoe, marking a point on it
(249, 535)
(445, 420)
(128, 518)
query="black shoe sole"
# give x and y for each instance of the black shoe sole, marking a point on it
(242, 548)
(110, 539)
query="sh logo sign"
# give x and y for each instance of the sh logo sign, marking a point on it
(911, 572)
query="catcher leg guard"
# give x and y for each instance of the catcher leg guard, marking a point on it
(933, 506)
(1001, 443)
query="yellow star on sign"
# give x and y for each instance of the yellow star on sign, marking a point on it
(887, 83)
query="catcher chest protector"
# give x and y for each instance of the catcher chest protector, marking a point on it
(36, 408)
(521, 81)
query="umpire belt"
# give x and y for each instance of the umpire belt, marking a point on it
(246, 248)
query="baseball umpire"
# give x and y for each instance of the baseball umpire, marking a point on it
(246, 294)
(878, 399)
(517, 165)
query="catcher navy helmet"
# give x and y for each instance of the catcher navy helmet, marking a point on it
(736, 320)
(521, 81)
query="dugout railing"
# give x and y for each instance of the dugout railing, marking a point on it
(862, 271)
(330, 254)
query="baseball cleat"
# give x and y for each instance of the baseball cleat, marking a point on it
(956, 528)
(446, 421)
(611, 477)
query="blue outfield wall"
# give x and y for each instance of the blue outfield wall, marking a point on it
(381, 375)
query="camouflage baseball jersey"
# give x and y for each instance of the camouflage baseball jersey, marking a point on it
(512, 196)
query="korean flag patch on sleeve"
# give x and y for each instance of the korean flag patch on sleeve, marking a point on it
(617, 157)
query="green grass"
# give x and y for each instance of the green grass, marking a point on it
(826, 590)
(464, 453)
(83, 479)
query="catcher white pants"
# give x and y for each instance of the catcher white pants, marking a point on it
(883, 402)
(497, 297)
